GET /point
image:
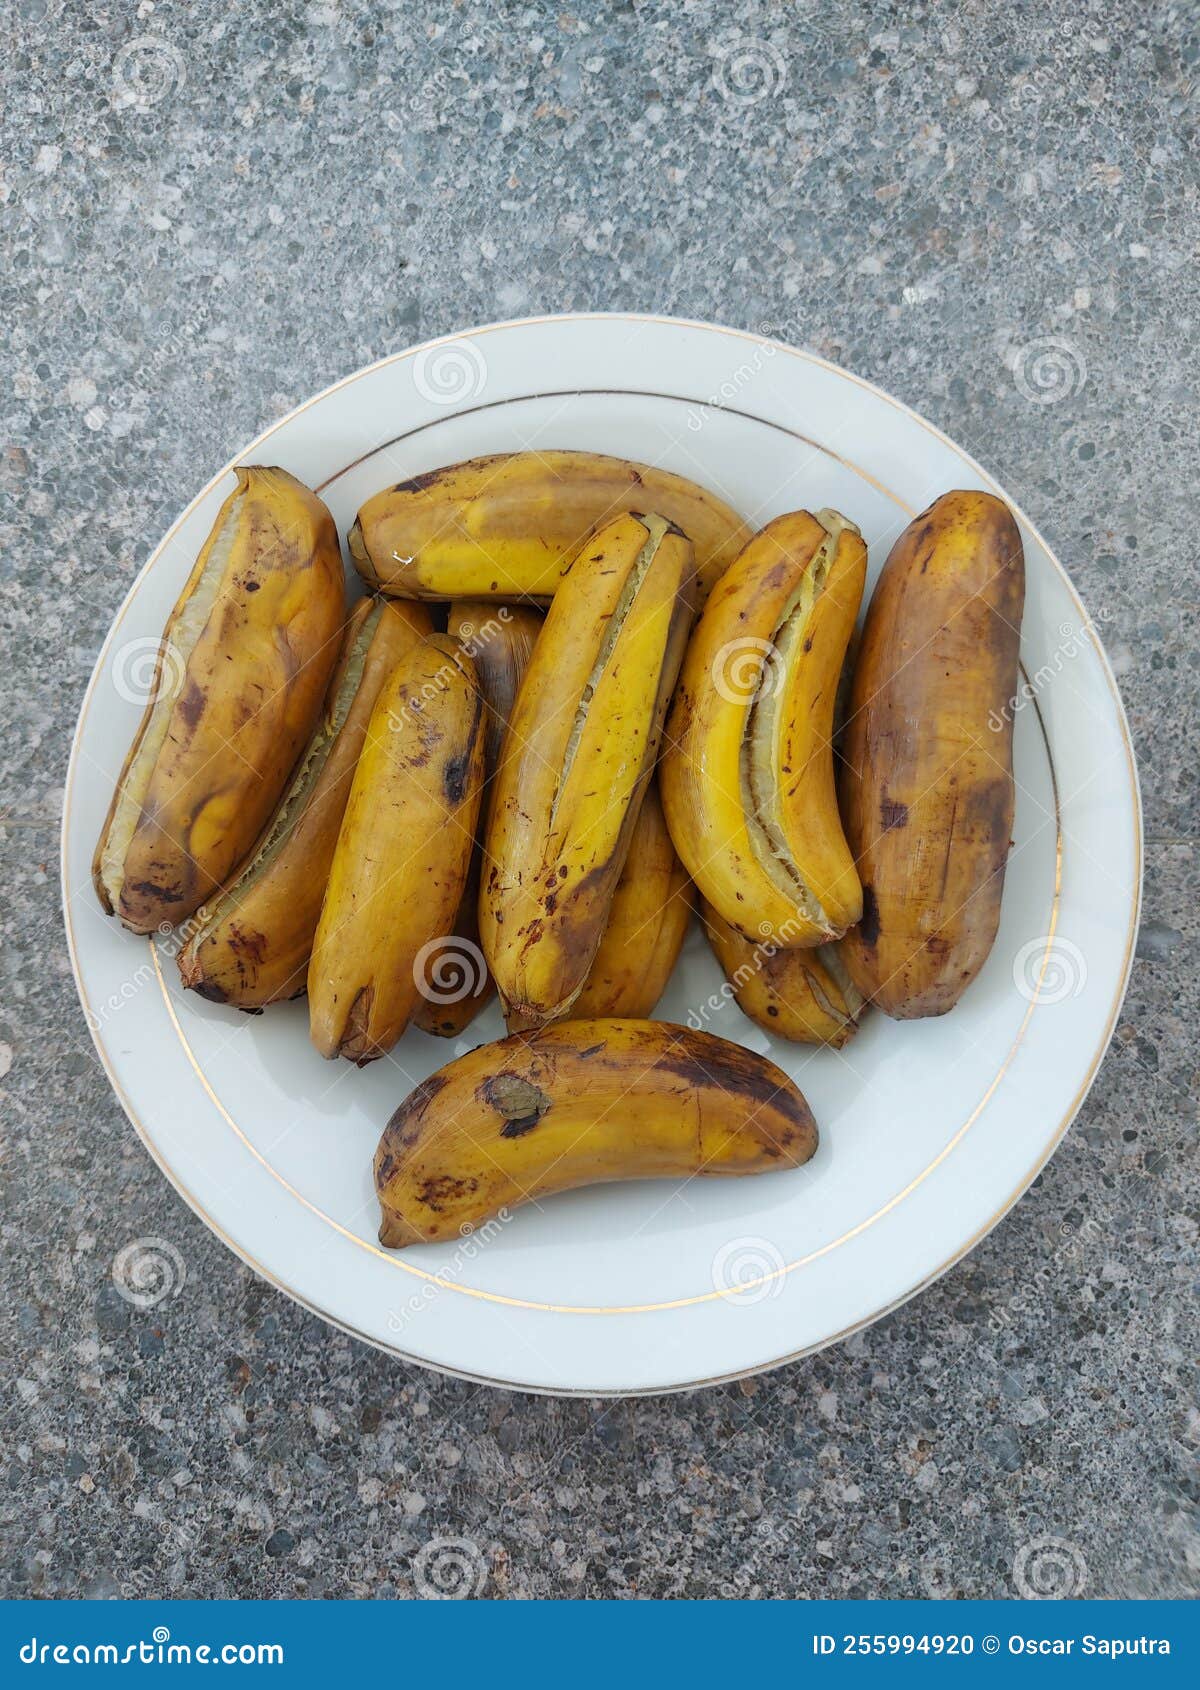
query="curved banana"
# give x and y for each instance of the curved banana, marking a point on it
(499, 640)
(243, 665)
(805, 996)
(402, 853)
(926, 780)
(575, 1104)
(253, 944)
(507, 527)
(577, 758)
(747, 772)
(647, 923)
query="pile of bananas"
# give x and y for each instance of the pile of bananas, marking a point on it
(580, 698)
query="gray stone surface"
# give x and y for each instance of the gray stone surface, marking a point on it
(212, 211)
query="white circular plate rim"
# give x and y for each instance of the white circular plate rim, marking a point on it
(596, 1389)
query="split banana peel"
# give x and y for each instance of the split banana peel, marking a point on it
(253, 944)
(499, 640)
(747, 770)
(507, 527)
(805, 996)
(576, 1104)
(647, 923)
(242, 670)
(578, 756)
(402, 853)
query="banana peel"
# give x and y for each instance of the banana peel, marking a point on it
(243, 667)
(647, 923)
(577, 759)
(402, 855)
(254, 941)
(507, 526)
(576, 1104)
(927, 776)
(747, 773)
(805, 996)
(499, 640)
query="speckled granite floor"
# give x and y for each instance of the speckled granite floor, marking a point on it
(209, 213)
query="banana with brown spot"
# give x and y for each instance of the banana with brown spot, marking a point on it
(507, 526)
(578, 756)
(254, 941)
(243, 667)
(575, 1104)
(402, 854)
(747, 770)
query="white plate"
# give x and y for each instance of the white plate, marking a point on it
(930, 1130)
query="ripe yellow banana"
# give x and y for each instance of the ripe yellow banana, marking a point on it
(499, 640)
(577, 758)
(575, 1104)
(507, 527)
(402, 853)
(747, 770)
(647, 924)
(253, 944)
(242, 668)
(802, 995)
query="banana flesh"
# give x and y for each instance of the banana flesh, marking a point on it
(255, 939)
(402, 853)
(648, 921)
(576, 1104)
(747, 774)
(805, 996)
(507, 526)
(243, 667)
(579, 753)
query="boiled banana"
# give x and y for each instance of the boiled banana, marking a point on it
(577, 758)
(805, 996)
(499, 640)
(242, 668)
(647, 923)
(506, 527)
(575, 1104)
(747, 770)
(927, 781)
(253, 942)
(402, 853)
